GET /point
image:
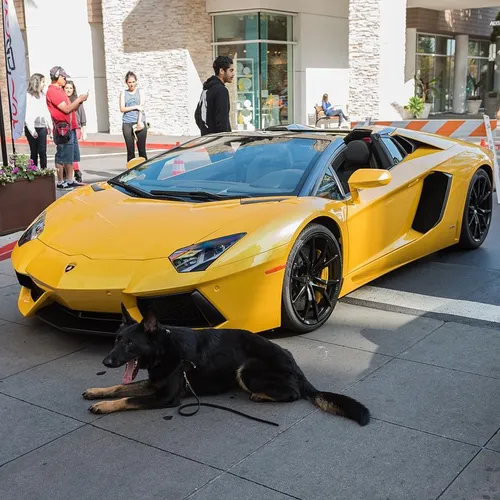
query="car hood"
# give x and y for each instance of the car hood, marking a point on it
(108, 224)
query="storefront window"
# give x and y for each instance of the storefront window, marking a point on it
(244, 90)
(230, 28)
(261, 92)
(435, 60)
(275, 27)
(477, 68)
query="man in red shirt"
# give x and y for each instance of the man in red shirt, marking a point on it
(65, 123)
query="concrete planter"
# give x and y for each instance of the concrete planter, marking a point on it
(473, 106)
(427, 110)
(22, 201)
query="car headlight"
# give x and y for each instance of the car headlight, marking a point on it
(199, 256)
(34, 230)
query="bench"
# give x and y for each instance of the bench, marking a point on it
(320, 115)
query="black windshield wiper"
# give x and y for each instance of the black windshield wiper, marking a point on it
(140, 192)
(130, 189)
(197, 195)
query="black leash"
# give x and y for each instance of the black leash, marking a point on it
(198, 404)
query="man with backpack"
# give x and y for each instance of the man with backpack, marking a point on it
(212, 112)
(65, 123)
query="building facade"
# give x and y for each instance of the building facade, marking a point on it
(363, 53)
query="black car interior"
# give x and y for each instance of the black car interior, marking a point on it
(363, 150)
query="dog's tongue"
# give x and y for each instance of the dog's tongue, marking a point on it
(128, 376)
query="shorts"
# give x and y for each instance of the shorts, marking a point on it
(69, 152)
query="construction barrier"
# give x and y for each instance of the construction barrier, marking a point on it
(458, 129)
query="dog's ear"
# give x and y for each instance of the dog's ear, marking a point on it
(150, 321)
(126, 318)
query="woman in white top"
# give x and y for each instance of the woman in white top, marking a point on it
(37, 123)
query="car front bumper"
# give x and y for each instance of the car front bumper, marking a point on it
(75, 293)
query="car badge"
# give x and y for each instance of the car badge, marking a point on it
(69, 268)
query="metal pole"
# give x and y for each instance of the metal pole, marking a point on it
(7, 75)
(2, 134)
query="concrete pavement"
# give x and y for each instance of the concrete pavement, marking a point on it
(432, 387)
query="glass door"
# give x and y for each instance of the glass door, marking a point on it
(261, 46)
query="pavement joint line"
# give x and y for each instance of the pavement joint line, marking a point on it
(486, 444)
(153, 446)
(43, 407)
(286, 429)
(265, 486)
(210, 481)
(459, 473)
(364, 377)
(41, 446)
(44, 362)
(429, 433)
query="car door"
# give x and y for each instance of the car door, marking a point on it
(379, 220)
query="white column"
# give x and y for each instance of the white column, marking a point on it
(411, 50)
(75, 56)
(460, 76)
(377, 41)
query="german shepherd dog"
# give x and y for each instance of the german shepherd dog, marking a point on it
(216, 361)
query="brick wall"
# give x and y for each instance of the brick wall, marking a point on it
(156, 40)
(473, 22)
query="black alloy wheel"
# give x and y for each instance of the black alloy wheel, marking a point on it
(476, 219)
(313, 278)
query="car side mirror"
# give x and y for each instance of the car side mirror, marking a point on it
(134, 162)
(366, 178)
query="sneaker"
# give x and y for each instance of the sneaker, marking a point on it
(62, 185)
(75, 184)
(78, 176)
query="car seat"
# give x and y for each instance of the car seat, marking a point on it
(357, 155)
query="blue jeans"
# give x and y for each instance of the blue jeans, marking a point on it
(336, 112)
(68, 152)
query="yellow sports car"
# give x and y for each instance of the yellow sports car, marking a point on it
(252, 230)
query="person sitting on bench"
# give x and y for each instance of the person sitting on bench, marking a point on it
(330, 111)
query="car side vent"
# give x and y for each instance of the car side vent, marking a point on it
(432, 202)
(96, 187)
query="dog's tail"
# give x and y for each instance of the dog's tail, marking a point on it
(337, 404)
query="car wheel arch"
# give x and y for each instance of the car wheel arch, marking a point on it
(489, 171)
(330, 224)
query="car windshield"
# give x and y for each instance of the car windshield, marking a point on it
(213, 168)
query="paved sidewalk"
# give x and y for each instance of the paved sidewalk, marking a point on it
(431, 386)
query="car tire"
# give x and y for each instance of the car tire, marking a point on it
(476, 219)
(312, 282)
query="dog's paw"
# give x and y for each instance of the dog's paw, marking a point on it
(102, 407)
(92, 394)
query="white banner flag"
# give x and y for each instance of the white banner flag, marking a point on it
(15, 57)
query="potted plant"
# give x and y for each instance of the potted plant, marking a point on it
(25, 191)
(474, 99)
(415, 107)
(426, 88)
